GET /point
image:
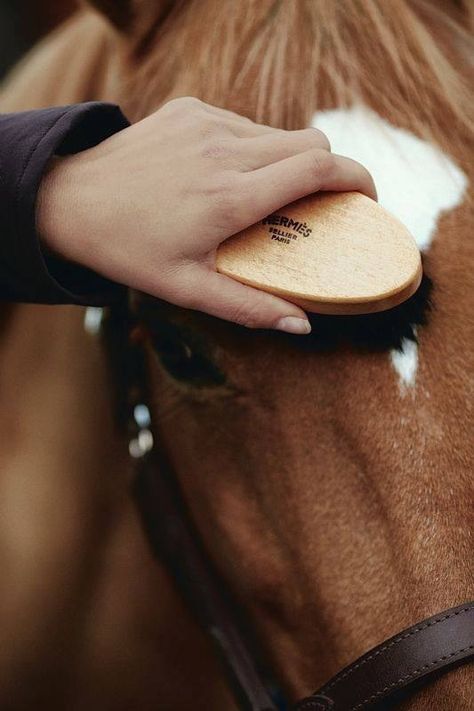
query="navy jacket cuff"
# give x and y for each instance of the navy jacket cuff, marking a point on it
(28, 272)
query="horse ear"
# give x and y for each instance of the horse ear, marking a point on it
(126, 15)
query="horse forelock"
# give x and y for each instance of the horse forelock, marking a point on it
(330, 55)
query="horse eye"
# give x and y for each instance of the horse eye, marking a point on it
(186, 362)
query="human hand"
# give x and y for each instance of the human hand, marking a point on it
(149, 206)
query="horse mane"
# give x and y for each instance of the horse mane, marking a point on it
(408, 59)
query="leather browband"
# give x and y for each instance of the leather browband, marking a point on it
(438, 643)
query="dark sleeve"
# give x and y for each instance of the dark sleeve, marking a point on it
(28, 271)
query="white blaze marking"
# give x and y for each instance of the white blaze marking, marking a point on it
(405, 362)
(415, 181)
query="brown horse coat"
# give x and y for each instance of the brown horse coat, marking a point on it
(333, 493)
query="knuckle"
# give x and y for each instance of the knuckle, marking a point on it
(223, 194)
(320, 137)
(228, 199)
(322, 164)
(246, 314)
(217, 148)
(212, 127)
(173, 104)
(225, 188)
(361, 174)
(205, 126)
(222, 187)
(183, 113)
(188, 101)
(253, 311)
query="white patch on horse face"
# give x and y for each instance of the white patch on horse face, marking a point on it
(415, 181)
(405, 362)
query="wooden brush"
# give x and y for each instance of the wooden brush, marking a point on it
(330, 253)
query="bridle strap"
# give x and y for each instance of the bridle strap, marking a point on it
(175, 543)
(404, 661)
(166, 520)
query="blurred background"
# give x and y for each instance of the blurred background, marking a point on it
(23, 22)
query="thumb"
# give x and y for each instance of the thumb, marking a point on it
(226, 298)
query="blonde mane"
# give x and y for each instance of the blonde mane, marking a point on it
(406, 59)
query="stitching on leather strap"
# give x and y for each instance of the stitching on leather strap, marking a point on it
(317, 702)
(393, 642)
(412, 674)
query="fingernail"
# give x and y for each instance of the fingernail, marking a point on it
(293, 324)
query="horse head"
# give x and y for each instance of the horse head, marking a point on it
(329, 477)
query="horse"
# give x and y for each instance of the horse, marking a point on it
(329, 477)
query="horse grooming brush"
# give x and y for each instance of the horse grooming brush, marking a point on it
(330, 253)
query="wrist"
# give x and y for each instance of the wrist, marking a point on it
(56, 208)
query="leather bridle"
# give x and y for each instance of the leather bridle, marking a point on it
(401, 663)
(381, 677)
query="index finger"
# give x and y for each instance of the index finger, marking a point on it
(285, 181)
